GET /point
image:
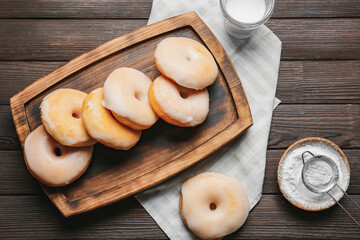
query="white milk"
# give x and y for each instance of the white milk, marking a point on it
(247, 11)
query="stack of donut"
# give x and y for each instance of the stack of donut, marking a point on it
(59, 151)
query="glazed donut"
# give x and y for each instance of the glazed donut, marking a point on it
(126, 95)
(52, 163)
(186, 61)
(61, 113)
(103, 127)
(213, 205)
(177, 105)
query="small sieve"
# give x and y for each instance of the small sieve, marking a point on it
(324, 180)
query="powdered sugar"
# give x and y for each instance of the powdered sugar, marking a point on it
(318, 173)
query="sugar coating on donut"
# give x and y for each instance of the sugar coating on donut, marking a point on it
(52, 163)
(186, 61)
(178, 105)
(213, 205)
(126, 95)
(45, 110)
(61, 114)
(103, 127)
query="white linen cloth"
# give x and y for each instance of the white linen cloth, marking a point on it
(256, 61)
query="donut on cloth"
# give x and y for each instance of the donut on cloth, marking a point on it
(61, 114)
(213, 205)
(186, 61)
(103, 127)
(52, 163)
(177, 105)
(126, 95)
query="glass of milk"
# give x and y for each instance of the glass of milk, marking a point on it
(243, 17)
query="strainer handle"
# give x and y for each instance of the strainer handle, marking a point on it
(344, 207)
(348, 196)
(302, 156)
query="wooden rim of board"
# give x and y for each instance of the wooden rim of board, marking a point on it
(309, 139)
(191, 20)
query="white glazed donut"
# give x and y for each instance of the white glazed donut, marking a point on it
(61, 114)
(177, 105)
(213, 205)
(186, 61)
(126, 95)
(103, 127)
(52, 163)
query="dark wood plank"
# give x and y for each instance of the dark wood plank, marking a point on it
(316, 8)
(272, 161)
(273, 218)
(15, 179)
(75, 9)
(15, 76)
(299, 81)
(35, 217)
(8, 137)
(141, 9)
(318, 38)
(338, 123)
(319, 82)
(65, 39)
(58, 39)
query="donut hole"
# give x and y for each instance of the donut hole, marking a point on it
(212, 206)
(184, 93)
(75, 115)
(58, 152)
(140, 96)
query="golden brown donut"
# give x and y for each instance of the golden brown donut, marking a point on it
(177, 105)
(103, 127)
(61, 113)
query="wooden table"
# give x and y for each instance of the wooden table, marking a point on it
(319, 85)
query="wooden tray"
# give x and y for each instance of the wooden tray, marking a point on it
(163, 150)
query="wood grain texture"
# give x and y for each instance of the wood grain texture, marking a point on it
(142, 8)
(318, 38)
(338, 123)
(316, 8)
(15, 76)
(75, 9)
(62, 40)
(299, 81)
(58, 39)
(273, 218)
(8, 137)
(319, 82)
(152, 160)
(16, 180)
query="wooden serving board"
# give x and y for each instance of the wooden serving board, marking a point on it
(163, 150)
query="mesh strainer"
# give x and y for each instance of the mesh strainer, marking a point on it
(320, 174)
